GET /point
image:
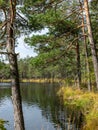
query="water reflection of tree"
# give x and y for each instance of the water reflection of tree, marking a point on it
(44, 96)
(47, 100)
(5, 92)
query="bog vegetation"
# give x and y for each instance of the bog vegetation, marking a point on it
(83, 103)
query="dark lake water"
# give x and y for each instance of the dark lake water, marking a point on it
(41, 107)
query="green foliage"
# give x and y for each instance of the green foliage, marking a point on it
(59, 45)
(45, 58)
(35, 23)
(85, 102)
(33, 2)
(1, 65)
(2, 122)
(4, 4)
(92, 118)
(51, 47)
(94, 20)
(40, 39)
(4, 71)
(77, 98)
(1, 2)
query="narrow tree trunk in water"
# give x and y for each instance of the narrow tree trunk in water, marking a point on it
(91, 40)
(16, 97)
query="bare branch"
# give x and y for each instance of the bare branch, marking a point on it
(3, 24)
(2, 44)
(21, 17)
(7, 53)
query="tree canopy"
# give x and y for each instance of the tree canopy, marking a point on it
(65, 44)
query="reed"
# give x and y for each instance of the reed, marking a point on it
(83, 102)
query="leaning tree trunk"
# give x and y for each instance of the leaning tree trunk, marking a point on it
(91, 40)
(16, 97)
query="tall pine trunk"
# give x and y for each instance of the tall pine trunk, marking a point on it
(87, 65)
(91, 40)
(78, 64)
(86, 49)
(16, 97)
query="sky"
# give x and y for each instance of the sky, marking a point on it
(23, 49)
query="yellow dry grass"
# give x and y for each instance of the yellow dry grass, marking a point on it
(86, 102)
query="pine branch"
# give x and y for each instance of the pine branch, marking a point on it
(22, 17)
(7, 53)
(3, 24)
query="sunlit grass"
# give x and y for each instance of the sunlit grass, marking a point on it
(5, 80)
(85, 102)
(36, 80)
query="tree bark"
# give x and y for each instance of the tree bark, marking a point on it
(87, 65)
(91, 40)
(78, 64)
(86, 50)
(16, 97)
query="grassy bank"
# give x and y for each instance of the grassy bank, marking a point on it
(83, 102)
(36, 80)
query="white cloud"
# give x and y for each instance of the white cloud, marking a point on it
(23, 49)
